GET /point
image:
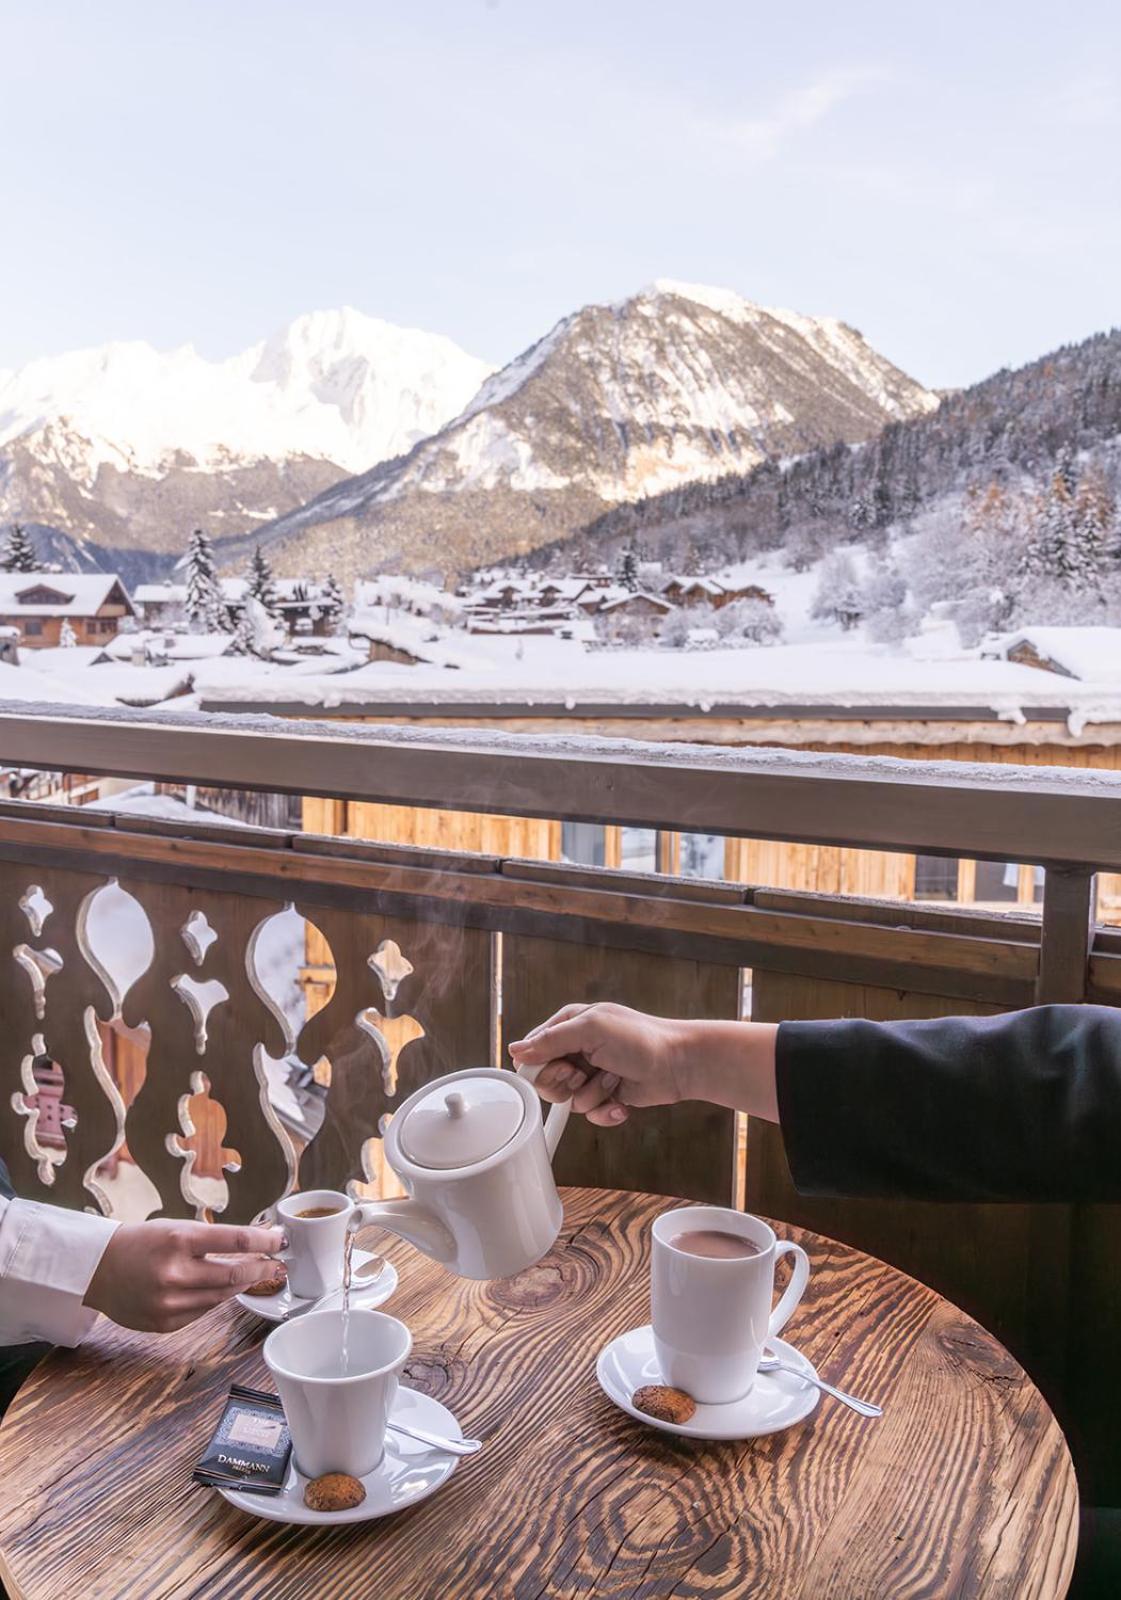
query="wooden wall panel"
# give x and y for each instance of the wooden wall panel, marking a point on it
(682, 1150)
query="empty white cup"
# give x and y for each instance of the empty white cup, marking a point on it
(338, 1423)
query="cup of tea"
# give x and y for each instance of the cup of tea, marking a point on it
(337, 1407)
(712, 1279)
(316, 1223)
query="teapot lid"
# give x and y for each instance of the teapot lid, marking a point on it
(459, 1124)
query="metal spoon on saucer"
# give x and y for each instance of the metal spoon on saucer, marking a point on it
(454, 1447)
(864, 1408)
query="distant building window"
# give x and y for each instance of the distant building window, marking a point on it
(33, 627)
(582, 843)
(936, 878)
(702, 855)
(639, 849)
(996, 881)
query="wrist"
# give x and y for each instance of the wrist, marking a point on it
(729, 1064)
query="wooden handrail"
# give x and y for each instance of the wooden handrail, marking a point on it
(1046, 816)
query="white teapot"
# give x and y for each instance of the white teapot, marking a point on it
(476, 1159)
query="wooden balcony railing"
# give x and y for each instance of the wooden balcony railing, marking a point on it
(438, 958)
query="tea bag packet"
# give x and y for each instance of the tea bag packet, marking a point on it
(250, 1447)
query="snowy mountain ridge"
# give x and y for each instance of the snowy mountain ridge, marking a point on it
(336, 386)
(680, 383)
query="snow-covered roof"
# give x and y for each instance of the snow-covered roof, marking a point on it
(175, 646)
(629, 596)
(75, 594)
(1089, 654)
(288, 590)
(840, 678)
(19, 683)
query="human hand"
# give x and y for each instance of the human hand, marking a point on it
(606, 1057)
(158, 1276)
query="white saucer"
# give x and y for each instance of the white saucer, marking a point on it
(777, 1400)
(409, 1472)
(279, 1306)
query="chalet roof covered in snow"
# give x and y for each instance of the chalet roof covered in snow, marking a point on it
(60, 594)
(1089, 654)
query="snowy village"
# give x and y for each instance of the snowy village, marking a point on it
(560, 824)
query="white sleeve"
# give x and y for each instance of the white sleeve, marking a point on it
(47, 1257)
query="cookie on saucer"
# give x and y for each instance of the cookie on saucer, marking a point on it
(334, 1491)
(273, 1284)
(664, 1403)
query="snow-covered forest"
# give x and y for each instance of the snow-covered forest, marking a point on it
(1000, 508)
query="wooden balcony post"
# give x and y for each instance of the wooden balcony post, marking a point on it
(1067, 933)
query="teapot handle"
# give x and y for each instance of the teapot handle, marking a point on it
(557, 1120)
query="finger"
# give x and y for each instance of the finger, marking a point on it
(609, 1115)
(558, 1080)
(565, 1014)
(227, 1272)
(220, 1238)
(573, 1037)
(595, 1092)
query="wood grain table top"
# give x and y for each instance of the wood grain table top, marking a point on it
(964, 1488)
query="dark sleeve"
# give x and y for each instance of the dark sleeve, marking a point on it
(1025, 1106)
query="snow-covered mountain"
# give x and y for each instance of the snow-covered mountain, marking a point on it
(679, 383)
(128, 446)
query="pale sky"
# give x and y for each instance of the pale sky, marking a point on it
(945, 177)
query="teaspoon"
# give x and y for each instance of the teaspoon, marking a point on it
(864, 1408)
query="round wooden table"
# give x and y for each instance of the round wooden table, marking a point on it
(964, 1488)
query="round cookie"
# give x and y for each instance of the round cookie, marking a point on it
(334, 1491)
(668, 1405)
(273, 1283)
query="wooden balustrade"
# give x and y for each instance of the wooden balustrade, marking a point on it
(123, 932)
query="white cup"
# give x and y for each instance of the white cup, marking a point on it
(712, 1315)
(337, 1423)
(314, 1256)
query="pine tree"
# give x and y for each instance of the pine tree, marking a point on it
(19, 552)
(628, 569)
(205, 606)
(331, 602)
(262, 584)
(67, 638)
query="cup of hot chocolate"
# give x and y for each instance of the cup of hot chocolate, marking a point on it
(712, 1278)
(316, 1223)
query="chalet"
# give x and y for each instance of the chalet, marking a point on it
(1082, 653)
(636, 603)
(712, 592)
(42, 605)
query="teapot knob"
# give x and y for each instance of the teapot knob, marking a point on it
(455, 1104)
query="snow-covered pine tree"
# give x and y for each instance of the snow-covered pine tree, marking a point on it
(67, 638)
(262, 584)
(19, 552)
(628, 568)
(1095, 517)
(205, 607)
(331, 602)
(839, 597)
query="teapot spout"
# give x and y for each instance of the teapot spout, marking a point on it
(410, 1221)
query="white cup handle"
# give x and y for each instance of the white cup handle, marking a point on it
(794, 1290)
